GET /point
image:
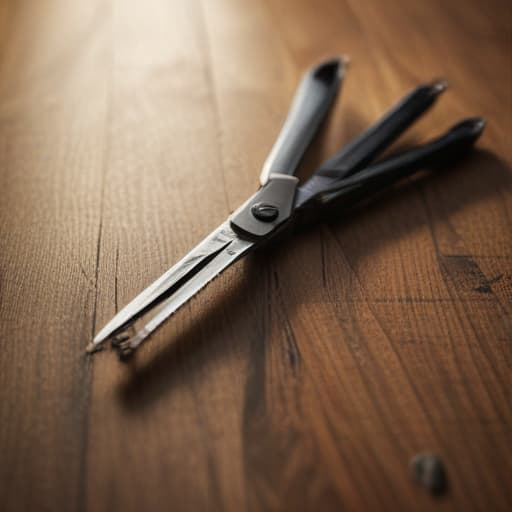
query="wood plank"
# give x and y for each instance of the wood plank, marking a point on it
(52, 153)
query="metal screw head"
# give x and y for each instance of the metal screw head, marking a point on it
(265, 212)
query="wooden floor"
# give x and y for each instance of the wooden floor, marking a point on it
(305, 378)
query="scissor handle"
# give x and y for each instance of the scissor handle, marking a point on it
(311, 102)
(453, 144)
(356, 155)
(363, 149)
(272, 205)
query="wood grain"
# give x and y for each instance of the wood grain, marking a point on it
(307, 376)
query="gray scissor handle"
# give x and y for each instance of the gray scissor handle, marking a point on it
(310, 104)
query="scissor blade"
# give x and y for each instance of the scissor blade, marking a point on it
(226, 257)
(165, 284)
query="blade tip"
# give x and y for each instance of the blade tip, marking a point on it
(92, 347)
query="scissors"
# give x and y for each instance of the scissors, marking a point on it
(281, 201)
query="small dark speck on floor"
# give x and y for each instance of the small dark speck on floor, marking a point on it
(428, 471)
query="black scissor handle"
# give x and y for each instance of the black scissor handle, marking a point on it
(363, 149)
(453, 144)
(311, 102)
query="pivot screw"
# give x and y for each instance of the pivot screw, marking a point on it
(265, 212)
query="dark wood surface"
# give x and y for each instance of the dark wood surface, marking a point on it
(306, 377)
